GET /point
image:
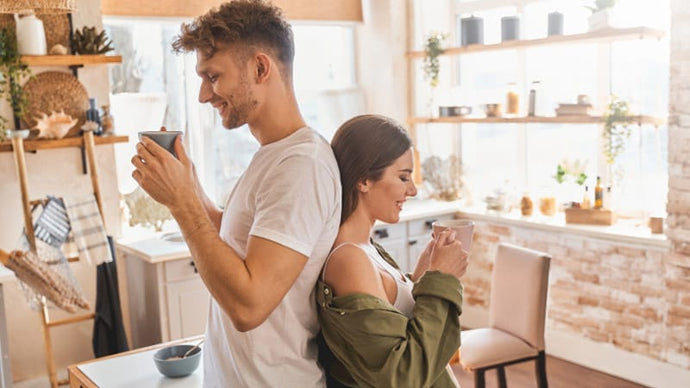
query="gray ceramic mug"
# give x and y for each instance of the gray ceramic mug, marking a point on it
(165, 139)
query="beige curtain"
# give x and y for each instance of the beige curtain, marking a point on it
(331, 10)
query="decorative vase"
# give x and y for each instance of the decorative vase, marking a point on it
(600, 20)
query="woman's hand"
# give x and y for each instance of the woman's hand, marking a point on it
(447, 255)
(424, 260)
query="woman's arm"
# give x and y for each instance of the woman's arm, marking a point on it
(380, 347)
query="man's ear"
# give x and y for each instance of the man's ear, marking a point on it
(263, 67)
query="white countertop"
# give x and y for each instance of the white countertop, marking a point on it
(136, 370)
(154, 249)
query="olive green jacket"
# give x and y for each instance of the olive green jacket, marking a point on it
(372, 344)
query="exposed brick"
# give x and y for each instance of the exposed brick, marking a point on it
(647, 313)
(585, 277)
(630, 252)
(613, 305)
(685, 301)
(679, 311)
(646, 291)
(598, 335)
(678, 285)
(587, 301)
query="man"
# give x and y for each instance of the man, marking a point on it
(260, 257)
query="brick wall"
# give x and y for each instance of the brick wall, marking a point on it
(622, 294)
(677, 263)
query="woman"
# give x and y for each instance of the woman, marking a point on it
(383, 328)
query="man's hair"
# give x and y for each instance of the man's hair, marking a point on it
(364, 147)
(249, 23)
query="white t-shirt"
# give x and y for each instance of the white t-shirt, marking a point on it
(289, 194)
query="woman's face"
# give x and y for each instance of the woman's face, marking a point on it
(385, 197)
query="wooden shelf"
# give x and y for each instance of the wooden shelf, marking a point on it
(70, 60)
(599, 36)
(67, 142)
(533, 119)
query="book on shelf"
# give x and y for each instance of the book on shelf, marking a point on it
(573, 109)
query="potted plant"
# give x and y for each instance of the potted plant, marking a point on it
(12, 70)
(432, 66)
(601, 14)
(433, 50)
(616, 130)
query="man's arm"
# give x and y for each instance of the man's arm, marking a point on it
(248, 290)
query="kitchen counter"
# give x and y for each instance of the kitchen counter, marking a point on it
(132, 369)
(5, 371)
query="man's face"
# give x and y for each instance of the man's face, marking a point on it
(225, 84)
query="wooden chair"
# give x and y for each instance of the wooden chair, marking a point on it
(517, 316)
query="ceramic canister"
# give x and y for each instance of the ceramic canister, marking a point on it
(31, 37)
(510, 28)
(555, 23)
(471, 30)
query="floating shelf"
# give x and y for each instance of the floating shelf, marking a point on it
(533, 119)
(67, 142)
(599, 36)
(69, 60)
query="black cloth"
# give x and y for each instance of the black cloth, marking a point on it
(108, 330)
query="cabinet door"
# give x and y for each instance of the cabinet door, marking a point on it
(188, 302)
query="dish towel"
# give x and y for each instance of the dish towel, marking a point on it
(52, 225)
(108, 328)
(88, 230)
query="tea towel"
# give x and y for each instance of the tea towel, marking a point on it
(88, 230)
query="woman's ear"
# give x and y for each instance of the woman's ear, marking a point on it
(363, 185)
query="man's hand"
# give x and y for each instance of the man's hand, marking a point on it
(170, 181)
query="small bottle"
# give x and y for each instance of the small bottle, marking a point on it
(585, 199)
(598, 195)
(107, 121)
(526, 205)
(532, 107)
(93, 115)
(513, 100)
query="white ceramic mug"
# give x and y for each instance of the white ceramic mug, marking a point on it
(463, 231)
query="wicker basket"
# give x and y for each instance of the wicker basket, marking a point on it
(55, 91)
(40, 7)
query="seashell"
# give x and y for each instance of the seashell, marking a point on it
(58, 49)
(54, 126)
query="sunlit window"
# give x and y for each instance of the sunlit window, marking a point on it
(523, 157)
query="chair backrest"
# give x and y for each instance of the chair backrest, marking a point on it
(518, 293)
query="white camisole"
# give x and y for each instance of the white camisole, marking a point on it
(403, 299)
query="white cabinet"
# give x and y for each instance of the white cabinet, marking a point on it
(406, 240)
(167, 298)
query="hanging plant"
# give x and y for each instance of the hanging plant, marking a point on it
(12, 70)
(433, 49)
(616, 129)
